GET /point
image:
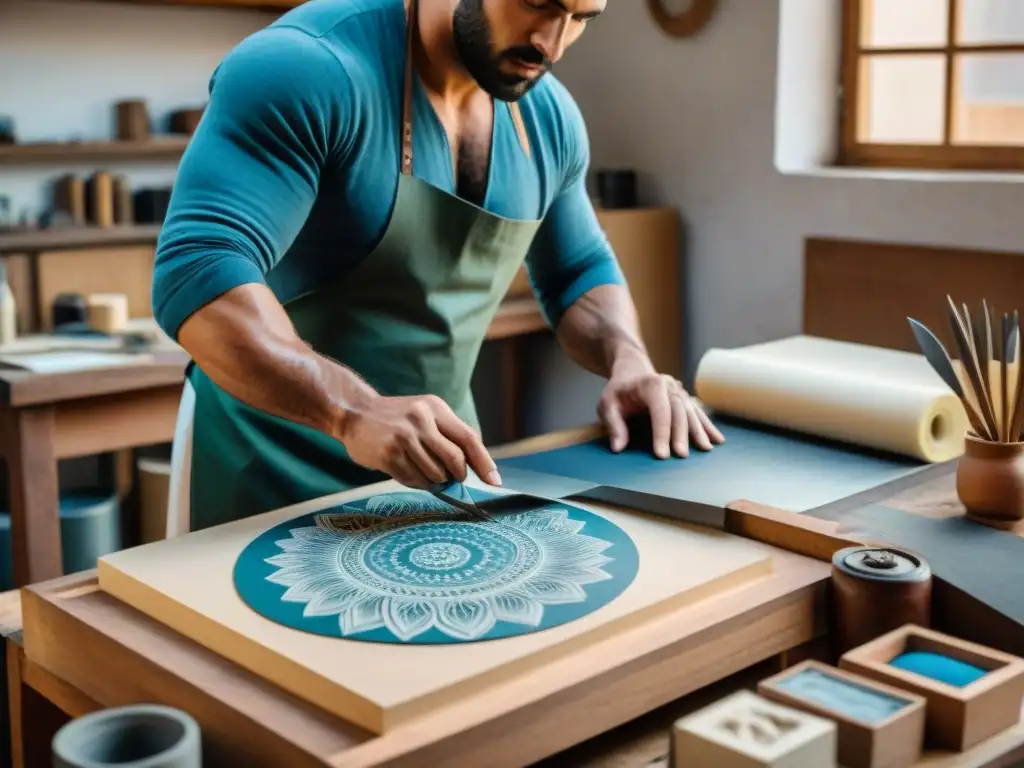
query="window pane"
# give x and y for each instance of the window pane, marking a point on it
(991, 21)
(904, 99)
(989, 97)
(904, 23)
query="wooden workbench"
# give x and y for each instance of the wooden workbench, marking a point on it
(88, 650)
(48, 417)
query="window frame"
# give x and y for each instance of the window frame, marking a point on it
(944, 156)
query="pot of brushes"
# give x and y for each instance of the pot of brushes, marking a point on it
(989, 380)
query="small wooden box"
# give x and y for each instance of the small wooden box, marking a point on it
(748, 731)
(957, 717)
(878, 726)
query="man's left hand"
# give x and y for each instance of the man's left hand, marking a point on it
(676, 420)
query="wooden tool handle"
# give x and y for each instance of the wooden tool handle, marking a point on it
(809, 536)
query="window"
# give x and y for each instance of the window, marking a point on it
(933, 84)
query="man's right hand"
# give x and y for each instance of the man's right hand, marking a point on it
(416, 440)
(246, 343)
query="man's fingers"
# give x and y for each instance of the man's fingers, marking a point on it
(466, 438)
(680, 425)
(657, 397)
(426, 462)
(407, 473)
(611, 417)
(700, 436)
(447, 452)
(713, 432)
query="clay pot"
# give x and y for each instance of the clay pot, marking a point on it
(147, 736)
(990, 480)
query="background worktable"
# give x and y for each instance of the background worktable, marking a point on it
(48, 417)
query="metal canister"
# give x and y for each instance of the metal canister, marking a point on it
(876, 590)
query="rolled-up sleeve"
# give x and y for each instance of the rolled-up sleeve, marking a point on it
(571, 254)
(249, 177)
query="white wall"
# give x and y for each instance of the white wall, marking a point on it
(64, 63)
(696, 118)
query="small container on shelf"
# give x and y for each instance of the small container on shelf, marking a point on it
(132, 120)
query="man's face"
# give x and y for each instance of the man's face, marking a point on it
(508, 45)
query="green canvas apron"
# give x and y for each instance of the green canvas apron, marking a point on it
(410, 319)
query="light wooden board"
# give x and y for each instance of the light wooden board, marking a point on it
(186, 583)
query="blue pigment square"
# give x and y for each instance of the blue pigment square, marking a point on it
(838, 694)
(944, 669)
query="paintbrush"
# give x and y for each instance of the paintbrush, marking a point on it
(936, 355)
(969, 361)
(1004, 360)
(1013, 392)
(1017, 419)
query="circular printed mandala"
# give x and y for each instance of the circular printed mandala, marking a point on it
(405, 568)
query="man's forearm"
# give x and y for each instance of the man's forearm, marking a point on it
(601, 331)
(247, 345)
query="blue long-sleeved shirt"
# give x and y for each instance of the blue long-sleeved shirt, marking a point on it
(291, 175)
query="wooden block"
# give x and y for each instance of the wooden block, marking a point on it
(108, 312)
(957, 716)
(747, 731)
(878, 726)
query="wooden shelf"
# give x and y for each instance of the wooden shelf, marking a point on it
(160, 148)
(65, 238)
(276, 6)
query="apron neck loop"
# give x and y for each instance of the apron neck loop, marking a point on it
(411, 28)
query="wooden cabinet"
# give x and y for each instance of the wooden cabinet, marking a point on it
(646, 242)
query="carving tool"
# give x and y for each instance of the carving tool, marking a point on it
(1017, 420)
(986, 355)
(970, 363)
(968, 323)
(935, 353)
(980, 334)
(455, 494)
(1004, 353)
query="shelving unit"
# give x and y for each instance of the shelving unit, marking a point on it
(257, 5)
(60, 238)
(158, 148)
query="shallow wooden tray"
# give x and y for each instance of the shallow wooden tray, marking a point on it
(116, 655)
(187, 583)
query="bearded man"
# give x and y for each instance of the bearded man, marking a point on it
(366, 180)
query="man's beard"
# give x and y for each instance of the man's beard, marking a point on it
(473, 42)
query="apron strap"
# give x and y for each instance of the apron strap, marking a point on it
(517, 118)
(411, 18)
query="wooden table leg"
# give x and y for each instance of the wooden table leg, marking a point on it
(511, 388)
(34, 719)
(32, 479)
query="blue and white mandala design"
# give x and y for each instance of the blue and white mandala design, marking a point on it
(404, 567)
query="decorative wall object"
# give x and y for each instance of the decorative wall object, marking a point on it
(687, 23)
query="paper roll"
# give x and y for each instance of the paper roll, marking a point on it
(868, 396)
